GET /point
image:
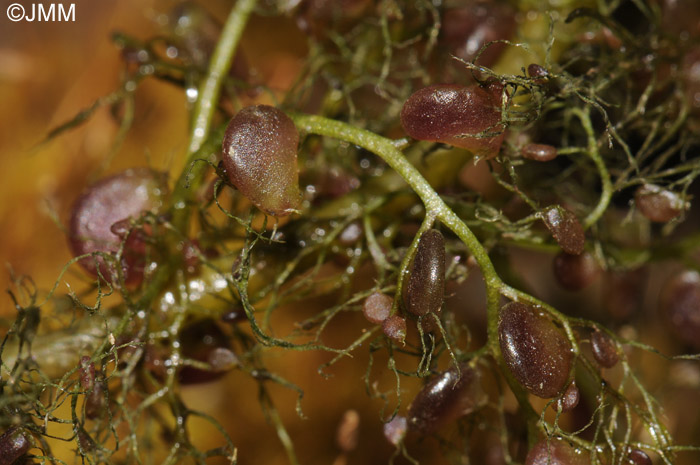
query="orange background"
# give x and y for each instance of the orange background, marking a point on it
(51, 71)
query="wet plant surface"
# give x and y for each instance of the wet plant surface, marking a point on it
(485, 231)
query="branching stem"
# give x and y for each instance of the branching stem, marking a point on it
(434, 205)
(209, 91)
(205, 107)
(594, 154)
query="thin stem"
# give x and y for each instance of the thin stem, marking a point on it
(434, 205)
(389, 153)
(428, 222)
(205, 108)
(375, 250)
(594, 154)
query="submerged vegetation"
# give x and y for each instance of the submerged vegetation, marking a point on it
(426, 161)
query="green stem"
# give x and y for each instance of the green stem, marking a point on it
(606, 194)
(389, 153)
(434, 205)
(205, 108)
(428, 222)
(375, 250)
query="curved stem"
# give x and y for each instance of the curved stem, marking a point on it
(434, 205)
(389, 153)
(428, 222)
(606, 194)
(204, 110)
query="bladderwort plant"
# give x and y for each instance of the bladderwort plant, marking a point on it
(408, 158)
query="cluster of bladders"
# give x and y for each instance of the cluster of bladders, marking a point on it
(114, 218)
(259, 159)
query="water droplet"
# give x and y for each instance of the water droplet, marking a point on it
(192, 94)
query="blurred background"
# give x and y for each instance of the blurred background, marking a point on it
(50, 71)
